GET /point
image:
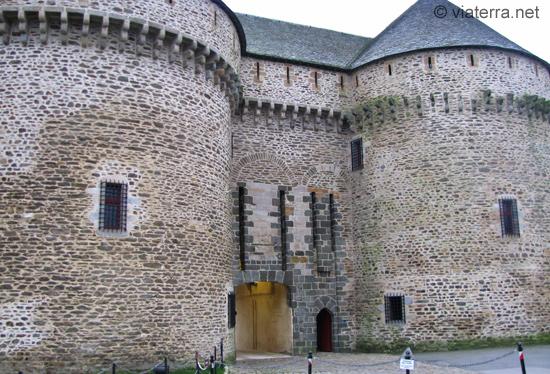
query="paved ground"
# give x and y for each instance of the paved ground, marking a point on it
(537, 359)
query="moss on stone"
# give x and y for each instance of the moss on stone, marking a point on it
(398, 346)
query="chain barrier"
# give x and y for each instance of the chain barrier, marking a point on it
(467, 365)
(356, 365)
(182, 366)
(196, 361)
(263, 367)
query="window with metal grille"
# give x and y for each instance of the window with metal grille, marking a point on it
(509, 220)
(357, 154)
(113, 206)
(395, 309)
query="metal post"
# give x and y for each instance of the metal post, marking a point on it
(114, 368)
(211, 364)
(221, 351)
(407, 357)
(520, 350)
(166, 369)
(215, 359)
(309, 362)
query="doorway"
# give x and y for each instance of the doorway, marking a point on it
(324, 331)
(264, 319)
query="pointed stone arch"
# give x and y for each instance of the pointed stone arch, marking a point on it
(263, 157)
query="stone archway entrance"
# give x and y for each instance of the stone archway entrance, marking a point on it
(324, 331)
(264, 319)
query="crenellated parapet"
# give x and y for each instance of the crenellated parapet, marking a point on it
(156, 40)
(388, 109)
(306, 117)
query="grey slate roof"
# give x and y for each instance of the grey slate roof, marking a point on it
(416, 29)
(289, 41)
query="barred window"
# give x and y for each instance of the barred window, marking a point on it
(113, 206)
(395, 309)
(509, 220)
(357, 154)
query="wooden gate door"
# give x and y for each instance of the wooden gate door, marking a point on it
(324, 331)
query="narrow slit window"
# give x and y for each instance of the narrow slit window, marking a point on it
(258, 70)
(242, 222)
(313, 220)
(332, 222)
(536, 70)
(282, 222)
(389, 70)
(510, 62)
(316, 80)
(356, 81)
(215, 18)
(430, 62)
(509, 220)
(231, 310)
(356, 154)
(342, 82)
(113, 206)
(395, 309)
(287, 74)
(472, 60)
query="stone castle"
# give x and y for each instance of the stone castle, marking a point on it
(174, 174)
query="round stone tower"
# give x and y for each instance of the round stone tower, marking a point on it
(115, 154)
(451, 205)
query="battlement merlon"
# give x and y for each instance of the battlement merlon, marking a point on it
(388, 108)
(16, 23)
(294, 114)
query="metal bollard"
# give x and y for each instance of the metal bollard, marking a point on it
(215, 359)
(114, 368)
(520, 350)
(221, 351)
(212, 364)
(309, 362)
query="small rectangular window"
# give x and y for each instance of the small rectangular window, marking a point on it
(395, 309)
(356, 154)
(113, 206)
(472, 60)
(509, 220)
(430, 64)
(287, 74)
(389, 70)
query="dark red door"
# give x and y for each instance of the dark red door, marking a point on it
(324, 331)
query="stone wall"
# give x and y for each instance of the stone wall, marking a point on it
(295, 85)
(292, 156)
(452, 71)
(200, 19)
(426, 206)
(81, 106)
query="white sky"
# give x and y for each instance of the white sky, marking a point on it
(369, 18)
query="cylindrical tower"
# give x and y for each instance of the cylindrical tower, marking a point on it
(452, 204)
(115, 161)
